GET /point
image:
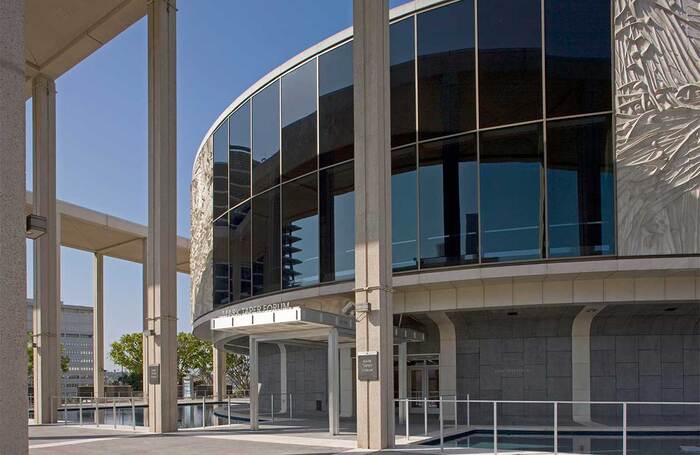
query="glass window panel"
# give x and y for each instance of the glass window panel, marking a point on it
(299, 121)
(300, 232)
(266, 242)
(240, 219)
(580, 187)
(266, 138)
(221, 264)
(511, 200)
(510, 62)
(221, 170)
(448, 202)
(446, 84)
(337, 214)
(239, 155)
(403, 82)
(404, 219)
(578, 62)
(335, 106)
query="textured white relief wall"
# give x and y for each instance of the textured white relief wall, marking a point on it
(657, 76)
(201, 258)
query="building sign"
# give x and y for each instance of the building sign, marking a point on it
(255, 309)
(154, 374)
(368, 366)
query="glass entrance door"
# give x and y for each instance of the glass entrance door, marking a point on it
(424, 382)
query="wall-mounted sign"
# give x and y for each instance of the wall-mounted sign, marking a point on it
(154, 374)
(368, 366)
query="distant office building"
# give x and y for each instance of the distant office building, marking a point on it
(76, 340)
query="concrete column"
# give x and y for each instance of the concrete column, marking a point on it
(162, 215)
(345, 359)
(98, 354)
(144, 337)
(403, 378)
(581, 362)
(219, 373)
(47, 355)
(13, 281)
(374, 312)
(283, 378)
(333, 383)
(253, 384)
(448, 360)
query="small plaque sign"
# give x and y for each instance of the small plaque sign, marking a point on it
(368, 366)
(154, 374)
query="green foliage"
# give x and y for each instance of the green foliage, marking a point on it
(194, 356)
(127, 352)
(238, 372)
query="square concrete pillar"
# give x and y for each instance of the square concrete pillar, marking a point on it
(219, 373)
(13, 282)
(253, 384)
(162, 218)
(333, 384)
(47, 296)
(374, 312)
(98, 334)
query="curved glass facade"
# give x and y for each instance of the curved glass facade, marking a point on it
(501, 124)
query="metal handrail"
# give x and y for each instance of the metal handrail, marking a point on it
(442, 401)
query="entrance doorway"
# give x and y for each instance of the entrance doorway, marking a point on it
(423, 382)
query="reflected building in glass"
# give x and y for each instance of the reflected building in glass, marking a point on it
(507, 167)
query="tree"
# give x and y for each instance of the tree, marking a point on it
(194, 357)
(127, 352)
(238, 371)
(65, 360)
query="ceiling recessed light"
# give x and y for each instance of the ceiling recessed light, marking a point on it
(671, 308)
(512, 313)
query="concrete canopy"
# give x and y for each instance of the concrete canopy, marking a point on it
(97, 232)
(61, 33)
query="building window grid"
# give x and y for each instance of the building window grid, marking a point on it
(417, 142)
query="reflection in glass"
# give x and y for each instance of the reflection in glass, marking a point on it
(335, 106)
(403, 209)
(448, 202)
(220, 170)
(300, 232)
(511, 199)
(403, 84)
(266, 138)
(446, 84)
(299, 121)
(266, 242)
(337, 215)
(220, 262)
(580, 187)
(578, 62)
(510, 62)
(240, 219)
(239, 155)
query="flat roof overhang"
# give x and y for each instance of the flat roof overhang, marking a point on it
(295, 324)
(96, 232)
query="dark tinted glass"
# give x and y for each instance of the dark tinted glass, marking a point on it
(510, 61)
(580, 187)
(266, 242)
(240, 219)
(404, 251)
(403, 82)
(300, 232)
(299, 121)
(578, 62)
(221, 170)
(335, 106)
(221, 264)
(337, 213)
(511, 199)
(446, 87)
(448, 202)
(239, 155)
(266, 138)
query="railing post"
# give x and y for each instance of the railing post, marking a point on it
(65, 411)
(114, 413)
(229, 410)
(133, 414)
(272, 407)
(469, 423)
(442, 436)
(406, 417)
(291, 414)
(624, 428)
(97, 412)
(80, 406)
(495, 427)
(425, 415)
(556, 429)
(204, 419)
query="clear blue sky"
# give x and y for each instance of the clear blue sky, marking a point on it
(223, 47)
